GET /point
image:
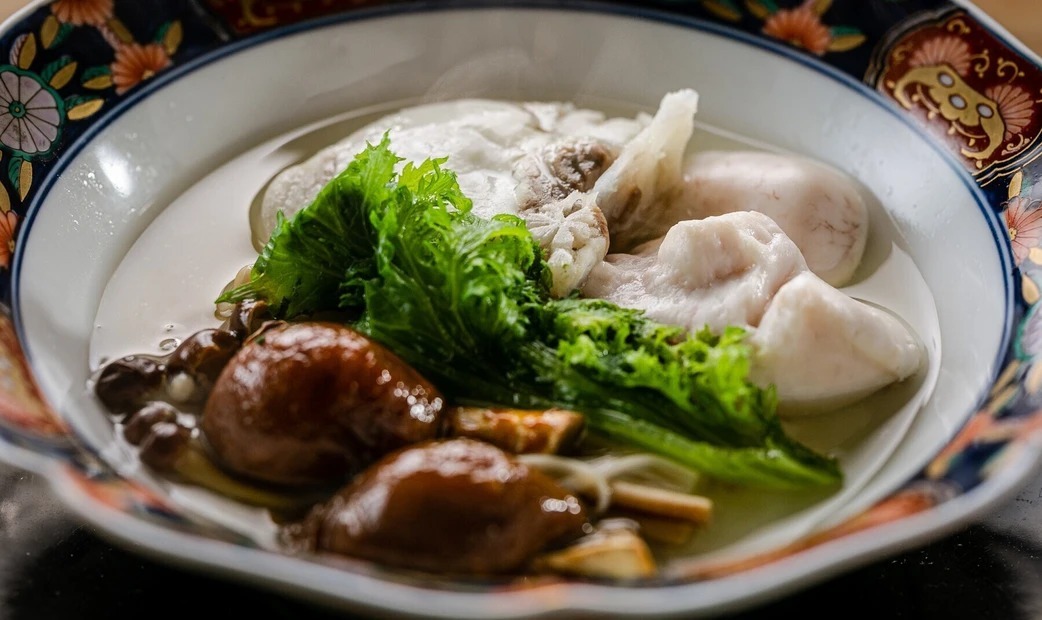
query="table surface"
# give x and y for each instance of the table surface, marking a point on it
(53, 567)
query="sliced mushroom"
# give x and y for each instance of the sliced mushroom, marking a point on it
(614, 551)
(661, 502)
(518, 431)
(672, 532)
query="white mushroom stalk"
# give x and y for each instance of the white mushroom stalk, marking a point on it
(640, 482)
(575, 475)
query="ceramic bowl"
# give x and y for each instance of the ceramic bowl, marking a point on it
(134, 135)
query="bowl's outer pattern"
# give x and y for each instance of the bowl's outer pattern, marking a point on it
(64, 65)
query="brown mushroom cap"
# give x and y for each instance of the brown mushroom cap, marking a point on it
(456, 506)
(312, 403)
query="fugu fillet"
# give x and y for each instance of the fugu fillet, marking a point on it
(646, 177)
(822, 349)
(536, 160)
(718, 271)
(817, 206)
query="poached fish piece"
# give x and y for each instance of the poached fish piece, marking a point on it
(535, 160)
(714, 272)
(817, 206)
(818, 347)
(822, 349)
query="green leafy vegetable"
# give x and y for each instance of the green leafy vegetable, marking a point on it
(465, 300)
(301, 268)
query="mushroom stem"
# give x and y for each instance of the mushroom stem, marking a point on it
(170, 449)
(195, 467)
(661, 502)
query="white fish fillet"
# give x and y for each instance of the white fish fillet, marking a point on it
(818, 347)
(485, 143)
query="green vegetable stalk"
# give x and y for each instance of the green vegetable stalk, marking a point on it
(466, 301)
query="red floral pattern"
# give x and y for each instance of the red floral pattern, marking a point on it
(801, 27)
(136, 63)
(83, 12)
(1024, 223)
(8, 226)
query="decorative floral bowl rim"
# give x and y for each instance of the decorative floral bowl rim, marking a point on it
(995, 452)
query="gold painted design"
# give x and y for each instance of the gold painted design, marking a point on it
(722, 10)
(120, 31)
(1008, 66)
(252, 19)
(49, 31)
(982, 63)
(63, 76)
(1033, 381)
(944, 93)
(99, 83)
(958, 26)
(758, 9)
(1030, 290)
(25, 179)
(1016, 184)
(969, 88)
(173, 37)
(26, 51)
(85, 110)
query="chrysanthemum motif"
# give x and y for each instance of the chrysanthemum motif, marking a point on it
(1015, 106)
(801, 27)
(1024, 222)
(83, 12)
(30, 119)
(8, 225)
(136, 63)
(951, 51)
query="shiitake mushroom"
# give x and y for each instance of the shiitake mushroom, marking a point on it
(313, 403)
(451, 506)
